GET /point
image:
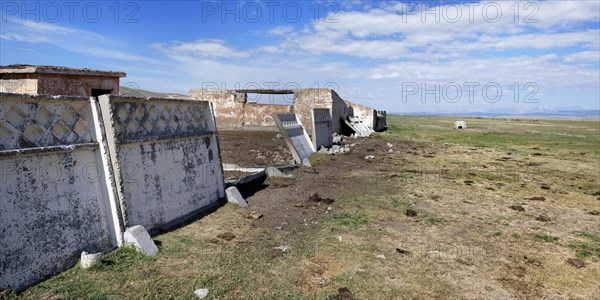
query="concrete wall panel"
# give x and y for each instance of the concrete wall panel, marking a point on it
(321, 124)
(165, 157)
(54, 193)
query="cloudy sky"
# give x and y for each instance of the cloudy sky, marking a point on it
(398, 56)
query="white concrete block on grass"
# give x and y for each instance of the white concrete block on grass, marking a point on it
(234, 196)
(201, 293)
(90, 259)
(138, 237)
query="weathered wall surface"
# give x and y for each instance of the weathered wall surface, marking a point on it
(57, 84)
(233, 112)
(228, 106)
(165, 155)
(75, 85)
(261, 114)
(75, 171)
(18, 84)
(54, 193)
(340, 110)
(307, 99)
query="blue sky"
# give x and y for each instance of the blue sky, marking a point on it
(398, 56)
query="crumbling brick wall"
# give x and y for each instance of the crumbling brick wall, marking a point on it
(57, 84)
(306, 99)
(75, 85)
(227, 105)
(260, 115)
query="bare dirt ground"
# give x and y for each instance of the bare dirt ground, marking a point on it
(503, 210)
(253, 148)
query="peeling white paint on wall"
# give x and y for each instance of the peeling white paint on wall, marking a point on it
(53, 191)
(76, 171)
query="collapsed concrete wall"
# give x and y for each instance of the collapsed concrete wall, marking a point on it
(165, 157)
(374, 119)
(228, 105)
(55, 196)
(234, 112)
(306, 99)
(76, 171)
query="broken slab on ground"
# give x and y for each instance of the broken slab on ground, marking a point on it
(358, 126)
(138, 237)
(234, 196)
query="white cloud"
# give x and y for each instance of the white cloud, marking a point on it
(70, 39)
(202, 48)
(24, 38)
(281, 30)
(584, 56)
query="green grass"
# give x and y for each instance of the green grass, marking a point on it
(434, 220)
(567, 136)
(545, 238)
(351, 220)
(588, 248)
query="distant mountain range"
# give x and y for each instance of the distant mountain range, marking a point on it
(570, 111)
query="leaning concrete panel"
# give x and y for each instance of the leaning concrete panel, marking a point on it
(165, 156)
(295, 136)
(54, 192)
(358, 126)
(321, 128)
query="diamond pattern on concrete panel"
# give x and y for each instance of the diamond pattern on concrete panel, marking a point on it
(30, 125)
(135, 120)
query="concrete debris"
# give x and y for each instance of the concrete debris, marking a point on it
(335, 150)
(279, 227)
(90, 259)
(138, 237)
(370, 157)
(381, 256)
(234, 196)
(274, 172)
(337, 139)
(390, 145)
(329, 208)
(390, 151)
(282, 248)
(201, 293)
(340, 238)
(279, 136)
